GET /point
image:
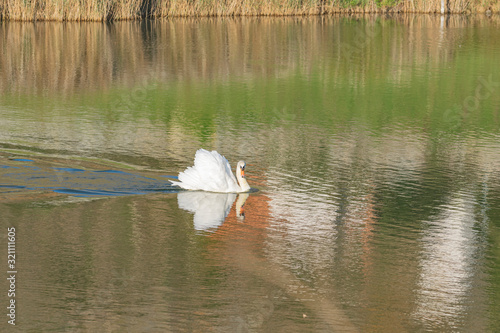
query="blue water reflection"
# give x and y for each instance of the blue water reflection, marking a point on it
(80, 182)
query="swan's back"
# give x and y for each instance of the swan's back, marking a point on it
(211, 172)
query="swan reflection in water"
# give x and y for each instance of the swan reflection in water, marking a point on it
(211, 209)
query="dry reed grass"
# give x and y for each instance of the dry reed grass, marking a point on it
(108, 10)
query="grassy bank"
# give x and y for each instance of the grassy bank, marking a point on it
(107, 10)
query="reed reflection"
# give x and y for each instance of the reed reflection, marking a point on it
(51, 57)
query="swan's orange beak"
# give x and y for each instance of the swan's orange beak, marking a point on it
(242, 172)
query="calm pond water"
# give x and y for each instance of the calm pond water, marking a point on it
(374, 143)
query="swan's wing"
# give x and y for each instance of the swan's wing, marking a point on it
(215, 172)
(211, 172)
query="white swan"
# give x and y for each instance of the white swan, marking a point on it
(212, 172)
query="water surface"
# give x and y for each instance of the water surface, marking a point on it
(373, 142)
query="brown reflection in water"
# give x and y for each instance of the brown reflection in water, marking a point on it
(256, 210)
(50, 57)
(87, 262)
(135, 262)
(240, 245)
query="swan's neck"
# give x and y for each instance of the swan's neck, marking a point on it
(242, 181)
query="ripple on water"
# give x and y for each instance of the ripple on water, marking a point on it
(81, 182)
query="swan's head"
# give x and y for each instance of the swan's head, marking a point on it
(240, 176)
(241, 168)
